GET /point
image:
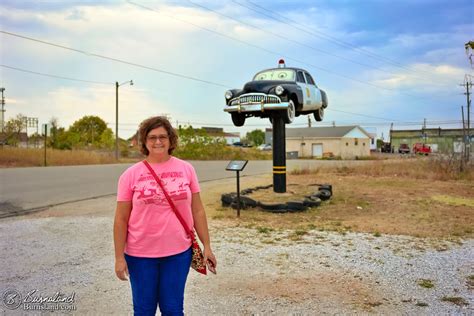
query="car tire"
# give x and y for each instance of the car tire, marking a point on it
(238, 119)
(312, 202)
(324, 195)
(319, 114)
(289, 113)
(294, 206)
(227, 199)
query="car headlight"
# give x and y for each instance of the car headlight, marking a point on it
(228, 94)
(279, 90)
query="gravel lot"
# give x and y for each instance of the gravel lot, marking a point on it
(69, 248)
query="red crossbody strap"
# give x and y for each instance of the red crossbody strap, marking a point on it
(178, 215)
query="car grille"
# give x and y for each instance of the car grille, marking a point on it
(255, 98)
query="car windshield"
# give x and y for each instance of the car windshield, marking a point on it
(276, 74)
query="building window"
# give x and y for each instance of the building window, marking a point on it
(363, 144)
(347, 144)
(372, 141)
(356, 141)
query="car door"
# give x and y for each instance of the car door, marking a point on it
(315, 94)
(301, 82)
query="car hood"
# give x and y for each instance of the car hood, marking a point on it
(262, 86)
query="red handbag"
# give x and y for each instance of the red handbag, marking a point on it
(197, 262)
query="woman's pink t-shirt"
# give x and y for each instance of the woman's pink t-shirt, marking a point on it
(153, 228)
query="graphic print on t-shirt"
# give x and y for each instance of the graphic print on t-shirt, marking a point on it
(149, 192)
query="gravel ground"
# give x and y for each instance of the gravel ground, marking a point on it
(70, 249)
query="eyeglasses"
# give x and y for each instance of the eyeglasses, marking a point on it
(154, 138)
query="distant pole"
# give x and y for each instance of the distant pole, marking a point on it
(424, 131)
(468, 84)
(116, 121)
(3, 110)
(117, 85)
(45, 137)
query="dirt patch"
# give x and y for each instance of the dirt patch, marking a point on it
(363, 203)
(328, 287)
(294, 192)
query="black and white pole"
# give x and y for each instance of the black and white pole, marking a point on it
(279, 154)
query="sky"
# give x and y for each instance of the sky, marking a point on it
(379, 61)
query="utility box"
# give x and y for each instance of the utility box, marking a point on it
(291, 155)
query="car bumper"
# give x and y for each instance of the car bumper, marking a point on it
(256, 107)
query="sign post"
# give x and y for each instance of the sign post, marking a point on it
(237, 165)
(46, 132)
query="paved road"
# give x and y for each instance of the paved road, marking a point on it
(26, 189)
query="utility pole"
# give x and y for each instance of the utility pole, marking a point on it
(117, 85)
(3, 109)
(309, 121)
(468, 84)
(424, 131)
(463, 136)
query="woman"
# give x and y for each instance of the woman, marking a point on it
(151, 244)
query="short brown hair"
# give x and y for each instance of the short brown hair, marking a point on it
(154, 122)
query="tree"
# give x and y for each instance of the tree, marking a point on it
(53, 138)
(13, 128)
(90, 131)
(256, 137)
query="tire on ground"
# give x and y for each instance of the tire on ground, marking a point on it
(326, 187)
(294, 206)
(272, 206)
(227, 199)
(312, 203)
(324, 194)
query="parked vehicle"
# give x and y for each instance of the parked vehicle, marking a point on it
(421, 149)
(403, 149)
(265, 147)
(386, 148)
(292, 91)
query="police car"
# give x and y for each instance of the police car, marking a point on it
(290, 91)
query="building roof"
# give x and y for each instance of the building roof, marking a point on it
(329, 131)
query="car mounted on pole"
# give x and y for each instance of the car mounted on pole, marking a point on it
(290, 91)
(279, 94)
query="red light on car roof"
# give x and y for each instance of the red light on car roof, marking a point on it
(281, 63)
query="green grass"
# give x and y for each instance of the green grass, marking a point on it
(264, 230)
(453, 200)
(459, 301)
(426, 283)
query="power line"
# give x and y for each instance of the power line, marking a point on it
(403, 123)
(272, 52)
(115, 59)
(154, 69)
(280, 36)
(55, 76)
(96, 82)
(304, 28)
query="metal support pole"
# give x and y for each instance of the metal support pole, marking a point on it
(468, 84)
(116, 121)
(3, 109)
(279, 154)
(238, 194)
(45, 137)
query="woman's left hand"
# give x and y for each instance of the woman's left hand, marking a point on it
(210, 260)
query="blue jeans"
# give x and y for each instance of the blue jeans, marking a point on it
(159, 281)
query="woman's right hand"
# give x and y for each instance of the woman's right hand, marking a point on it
(121, 269)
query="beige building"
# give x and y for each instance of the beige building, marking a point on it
(347, 142)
